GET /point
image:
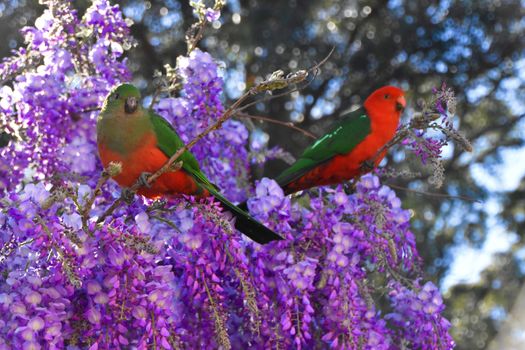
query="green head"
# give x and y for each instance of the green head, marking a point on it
(124, 98)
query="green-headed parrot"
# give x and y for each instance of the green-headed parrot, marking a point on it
(343, 153)
(143, 141)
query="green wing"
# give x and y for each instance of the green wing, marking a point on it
(344, 136)
(169, 142)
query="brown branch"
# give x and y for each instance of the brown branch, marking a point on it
(434, 194)
(84, 211)
(156, 95)
(111, 209)
(272, 97)
(92, 109)
(275, 121)
(196, 30)
(193, 39)
(88, 110)
(314, 70)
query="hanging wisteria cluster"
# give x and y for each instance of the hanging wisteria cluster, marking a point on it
(176, 274)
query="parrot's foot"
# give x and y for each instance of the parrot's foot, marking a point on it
(349, 188)
(368, 165)
(127, 195)
(158, 204)
(143, 179)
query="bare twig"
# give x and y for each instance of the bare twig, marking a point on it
(194, 35)
(314, 70)
(110, 210)
(91, 109)
(84, 211)
(275, 121)
(156, 95)
(167, 222)
(196, 31)
(434, 194)
(273, 97)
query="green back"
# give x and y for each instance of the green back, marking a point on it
(169, 143)
(343, 138)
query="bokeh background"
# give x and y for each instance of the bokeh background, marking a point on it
(473, 249)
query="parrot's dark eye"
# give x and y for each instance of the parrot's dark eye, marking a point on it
(116, 96)
(387, 96)
(130, 105)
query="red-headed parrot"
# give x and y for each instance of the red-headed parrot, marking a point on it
(143, 141)
(343, 153)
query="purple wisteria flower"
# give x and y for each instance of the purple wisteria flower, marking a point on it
(176, 274)
(416, 316)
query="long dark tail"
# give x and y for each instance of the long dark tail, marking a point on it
(243, 206)
(244, 222)
(248, 225)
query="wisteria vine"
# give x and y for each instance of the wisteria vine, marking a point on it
(176, 274)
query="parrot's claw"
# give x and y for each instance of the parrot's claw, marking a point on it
(350, 187)
(368, 165)
(158, 204)
(143, 179)
(127, 195)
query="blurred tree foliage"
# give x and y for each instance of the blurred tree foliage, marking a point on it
(477, 47)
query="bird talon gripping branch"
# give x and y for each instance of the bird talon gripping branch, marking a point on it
(143, 179)
(127, 195)
(368, 165)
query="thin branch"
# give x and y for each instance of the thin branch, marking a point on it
(268, 98)
(91, 109)
(314, 70)
(110, 210)
(167, 222)
(279, 122)
(323, 61)
(434, 194)
(196, 31)
(156, 95)
(84, 211)
(193, 40)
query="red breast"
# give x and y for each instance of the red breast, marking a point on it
(149, 158)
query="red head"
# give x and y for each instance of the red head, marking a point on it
(387, 100)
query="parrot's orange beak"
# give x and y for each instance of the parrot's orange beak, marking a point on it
(401, 103)
(131, 104)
